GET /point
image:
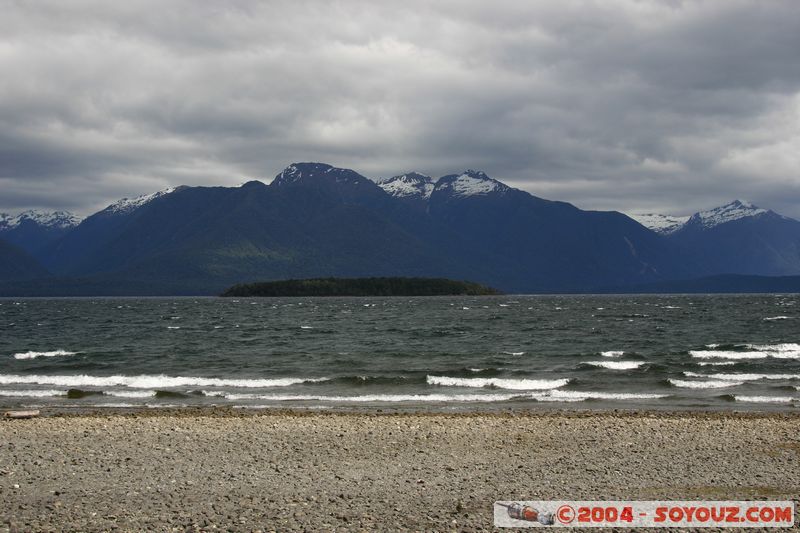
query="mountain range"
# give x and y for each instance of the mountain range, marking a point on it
(316, 220)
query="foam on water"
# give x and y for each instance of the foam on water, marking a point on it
(726, 354)
(764, 399)
(783, 317)
(787, 350)
(549, 396)
(150, 381)
(612, 353)
(589, 395)
(423, 398)
(712, 384)
(34, 355)
(781, 347)
(32, 393)
(615, 365)
(716, 363)
(500, 383)
(742, 377)
(131, 393)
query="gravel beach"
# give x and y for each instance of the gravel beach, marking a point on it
(288, 471)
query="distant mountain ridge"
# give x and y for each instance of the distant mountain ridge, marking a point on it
(17, 265)
(33, 230)
(669, 224)
(315, 220)
(736, 238)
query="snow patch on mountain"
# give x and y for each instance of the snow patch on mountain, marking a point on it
(663, 224)
(735, 210)
(408, 185)
(126, 205)
(471, 183)
(297, 172)
(290, 174)
(48, 219)
(668, 224)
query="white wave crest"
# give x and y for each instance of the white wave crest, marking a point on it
(423, 398)
(150, 381)
(32, 393)
(724, 354)
(768, 318)
(34, 355)
(589, 395)
(616, 365)
(549, 396)
(612, 353)
(780, 348)
(716, 363)
(712, 384)
(131, 393)
(500, 383)
(788, 350)
(764, 399)
(742, 377)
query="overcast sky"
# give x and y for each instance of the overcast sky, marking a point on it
(637, 106)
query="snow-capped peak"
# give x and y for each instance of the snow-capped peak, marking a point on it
(126, 205)
(319, 173)
(663, 224)
(729, 212)
(668, 224)
(470, 183)
(407, 185)
(49, 219)
(294, 172)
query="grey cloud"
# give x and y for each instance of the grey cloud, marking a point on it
(628, 105)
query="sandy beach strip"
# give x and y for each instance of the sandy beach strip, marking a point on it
(289, 471)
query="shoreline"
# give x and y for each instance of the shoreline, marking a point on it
(290, 470)
(345, 411)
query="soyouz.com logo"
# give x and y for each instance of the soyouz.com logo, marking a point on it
(556, 513)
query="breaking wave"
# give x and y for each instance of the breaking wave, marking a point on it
(32, 393)
(500, 383)
(741, 377)
(764, 399)
(615, 365)
(372, 398)
(725, 354)
(757, 351)
(34, 355)
(150, 381)
(588, 395)
(713, 384)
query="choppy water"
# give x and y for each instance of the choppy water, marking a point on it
(598, 352)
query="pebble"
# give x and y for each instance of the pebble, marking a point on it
(308, 471)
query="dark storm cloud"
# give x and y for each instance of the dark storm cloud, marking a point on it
(629, 105)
